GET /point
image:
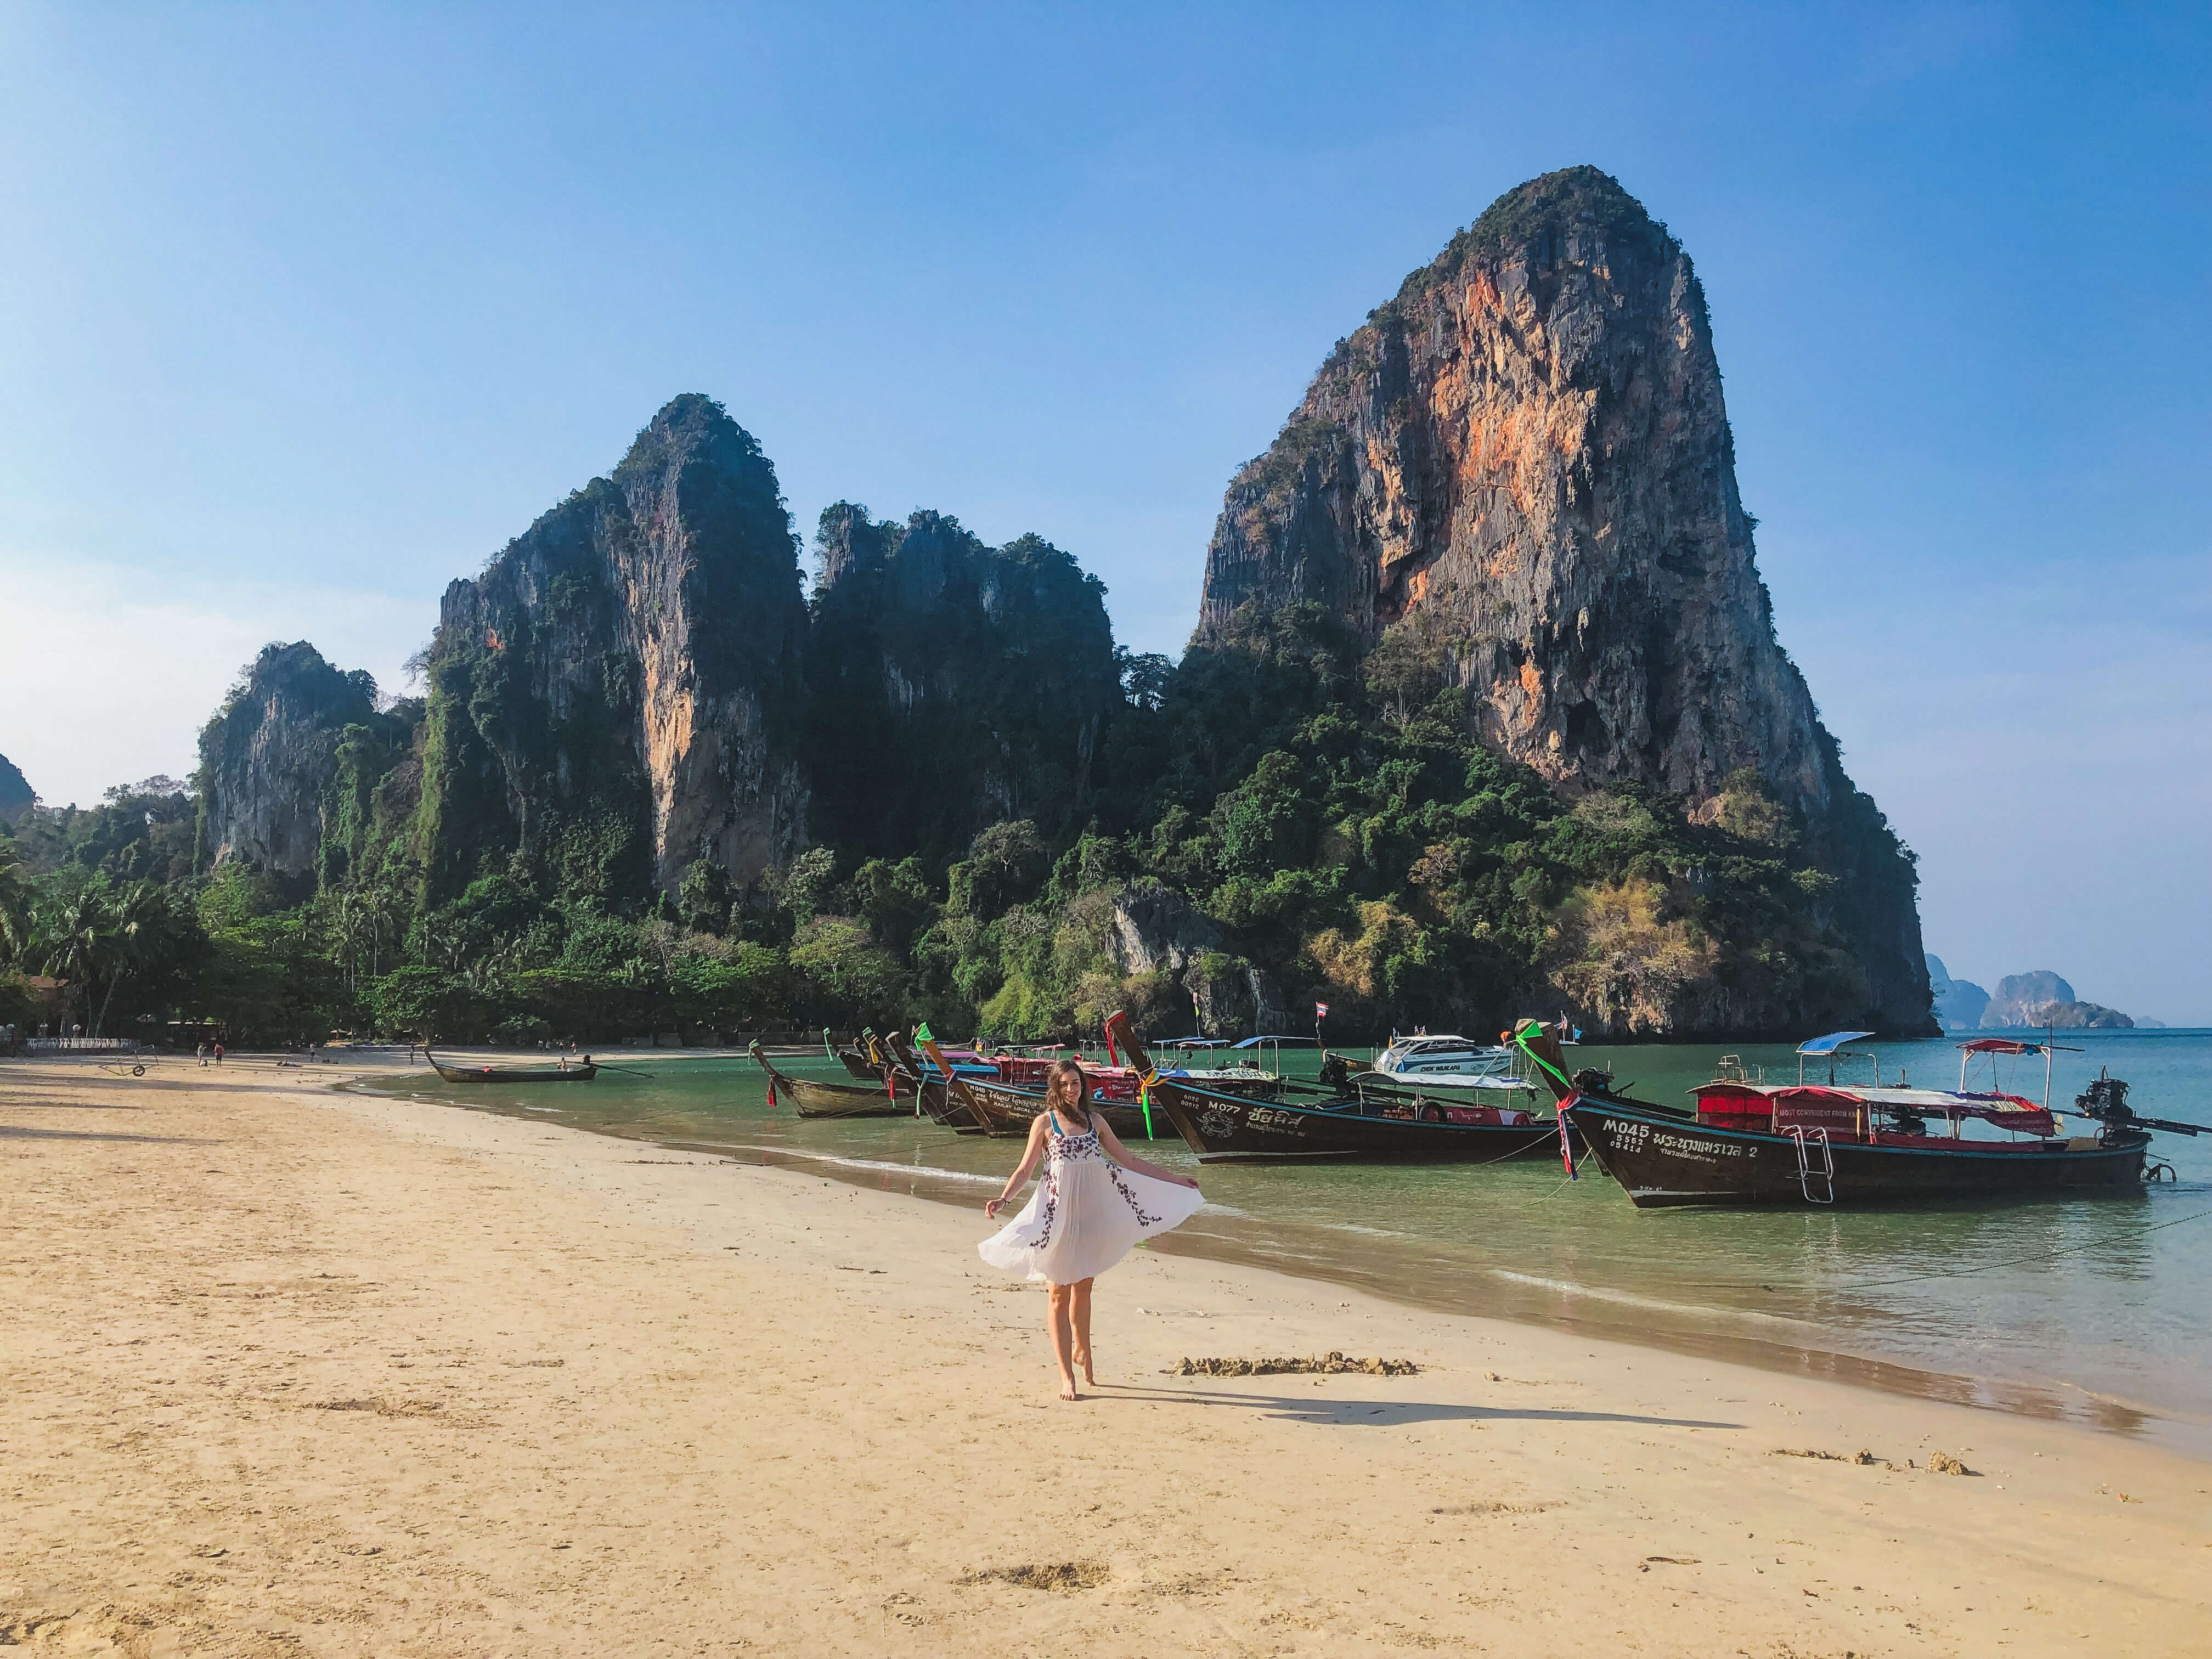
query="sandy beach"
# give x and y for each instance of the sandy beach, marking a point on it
(290, 1370)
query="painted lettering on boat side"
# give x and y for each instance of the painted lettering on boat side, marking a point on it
(1634, 1137)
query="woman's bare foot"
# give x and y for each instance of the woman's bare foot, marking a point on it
(1067, 1391)
(1089, 1381)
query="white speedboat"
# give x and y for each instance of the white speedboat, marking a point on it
(1449, 1062)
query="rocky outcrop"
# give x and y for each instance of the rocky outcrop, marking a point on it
(1518, 477)
(950, 684)
(1959, 1003)
(2042, 997)
(269, 755)
(2021, 998)
(2080, 1017)
(617, 696)
(1156, 930)
(16, 795)
(1529, 451)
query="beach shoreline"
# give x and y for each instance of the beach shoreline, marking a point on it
(299, 1369)
(1785, 1331)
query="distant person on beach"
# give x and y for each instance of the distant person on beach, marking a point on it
(218, 1053)
(201, 1052)
(1096, 1200)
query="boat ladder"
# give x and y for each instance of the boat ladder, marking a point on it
(1808, 1171)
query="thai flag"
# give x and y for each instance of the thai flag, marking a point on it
(1321, 1011)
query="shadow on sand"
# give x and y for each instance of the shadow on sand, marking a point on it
(1386, 1413)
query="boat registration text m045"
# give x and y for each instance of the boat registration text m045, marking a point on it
(1635, 1136)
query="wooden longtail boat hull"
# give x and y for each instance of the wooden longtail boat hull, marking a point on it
(1226, 1129)
(1663, 1161)
(858, 1065)
(512, 1073)
(810, 1098)
(941, 1106)
(1012, 1110)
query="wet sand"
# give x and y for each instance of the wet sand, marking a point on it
(295, 1371)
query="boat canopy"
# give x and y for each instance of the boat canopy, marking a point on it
(2014, 1112)
(2000, 1046)
(1195, 1043)
(1292, 1041)
(1830, 1043)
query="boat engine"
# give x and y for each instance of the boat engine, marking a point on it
(1591, 1080)
(2106, 1099)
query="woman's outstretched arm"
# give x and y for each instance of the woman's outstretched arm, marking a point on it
(1128, 1160)
(1020, 1177)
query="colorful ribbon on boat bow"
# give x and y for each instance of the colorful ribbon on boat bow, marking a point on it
(1144, 1100)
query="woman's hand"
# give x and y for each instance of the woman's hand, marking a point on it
(1184, 1180)
(992, 1207)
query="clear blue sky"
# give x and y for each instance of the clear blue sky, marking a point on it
(303, 314)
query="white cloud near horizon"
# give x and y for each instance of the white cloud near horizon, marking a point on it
(106, 676)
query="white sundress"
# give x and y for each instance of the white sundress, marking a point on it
(1085, 1215)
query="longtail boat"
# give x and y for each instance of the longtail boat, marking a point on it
(855, 1058)
(1810, 1141)
(1362, 1120)
(582, 1072)
(914, 1073)
(1118, 1090)
(810, 1098)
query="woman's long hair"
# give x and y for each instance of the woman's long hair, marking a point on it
(1068, 1089)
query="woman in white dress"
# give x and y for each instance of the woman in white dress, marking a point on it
(1096, 1200)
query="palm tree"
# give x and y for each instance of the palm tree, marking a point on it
(130, 916)
(14, 903)
(75, 946)
(377, 913)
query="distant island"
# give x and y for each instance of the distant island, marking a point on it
(2038, 998)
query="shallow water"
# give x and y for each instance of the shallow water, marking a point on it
(2098, 1309)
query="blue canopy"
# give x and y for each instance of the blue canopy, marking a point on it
(1830, 1043)
(1253, 1042)
(1195, 1043)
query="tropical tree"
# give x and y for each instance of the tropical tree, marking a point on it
(75, 948)
(15, 930)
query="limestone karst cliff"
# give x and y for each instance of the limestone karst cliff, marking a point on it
(1483, 715)
(1520, 470)
(271, 753)
(935, 658)
(615, 696)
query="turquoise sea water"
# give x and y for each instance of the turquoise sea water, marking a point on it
(2098, 1309)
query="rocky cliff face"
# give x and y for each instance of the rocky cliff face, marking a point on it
(269, 754)
(1527, 452)
(1518, 476)
(615, 697)
(950, 684)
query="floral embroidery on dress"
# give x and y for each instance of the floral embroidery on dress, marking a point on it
(1067, 1149)
(1113, 1173)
